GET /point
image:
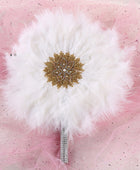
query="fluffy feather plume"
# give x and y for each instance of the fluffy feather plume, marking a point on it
(106, 76)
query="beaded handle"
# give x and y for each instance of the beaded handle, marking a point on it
(64, 146)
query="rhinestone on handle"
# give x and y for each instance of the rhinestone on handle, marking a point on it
(64, 146)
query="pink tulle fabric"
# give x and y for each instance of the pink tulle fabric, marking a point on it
(114, 145)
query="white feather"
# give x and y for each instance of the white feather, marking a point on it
(103, 88)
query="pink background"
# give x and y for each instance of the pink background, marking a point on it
(115, 145)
